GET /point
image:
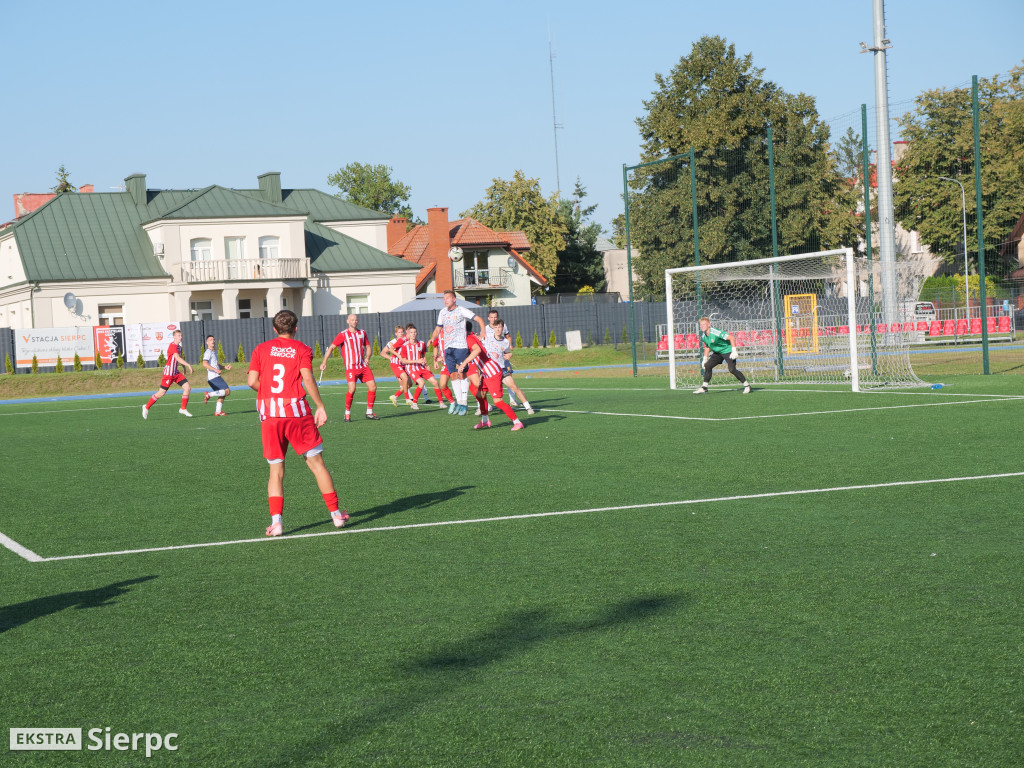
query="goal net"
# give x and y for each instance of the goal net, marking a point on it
(796, 319)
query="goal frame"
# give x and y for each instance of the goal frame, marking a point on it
(851, 303)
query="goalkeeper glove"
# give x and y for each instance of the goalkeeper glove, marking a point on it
(733, 354)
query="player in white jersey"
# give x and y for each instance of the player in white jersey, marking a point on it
(218, 387)
(451, 321)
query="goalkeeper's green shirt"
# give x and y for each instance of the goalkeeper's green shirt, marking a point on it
(716, 341)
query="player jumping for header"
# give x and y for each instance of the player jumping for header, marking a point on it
(719, 346)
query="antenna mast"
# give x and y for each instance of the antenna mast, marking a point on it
(554, 118)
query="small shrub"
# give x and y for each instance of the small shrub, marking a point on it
(8, 365)
(77, 365)
(590, 336)
(607, 335)
(120, 361)
(317, 352)
(161, 360)
(35, 364)
(536, 341)
(552, 340)
(241, 353)
(140, 362)
(220, 354)
(625, 334)
(519, 340)
(60, 365)
(337, 352)
(376, 346)
(98, 361)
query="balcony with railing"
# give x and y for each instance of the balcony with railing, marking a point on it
(223, 270)
(483, 279)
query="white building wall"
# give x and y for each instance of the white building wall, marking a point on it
(11, 269)
(332, 291)
(373, 233)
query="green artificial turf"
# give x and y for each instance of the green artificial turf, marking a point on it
(660, 622)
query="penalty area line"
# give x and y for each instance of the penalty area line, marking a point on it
(436, 524)
(19, 550)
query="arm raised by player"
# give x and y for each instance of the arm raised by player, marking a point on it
(309, 383)
(483, 326)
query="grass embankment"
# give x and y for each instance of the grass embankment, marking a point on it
(89, 382)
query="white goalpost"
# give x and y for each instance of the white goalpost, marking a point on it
(810, 318)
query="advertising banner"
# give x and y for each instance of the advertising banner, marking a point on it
(148, 338)
(109, 340)
(47, 344)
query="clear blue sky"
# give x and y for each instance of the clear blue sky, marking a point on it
(450, 95)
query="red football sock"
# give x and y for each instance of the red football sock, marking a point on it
(484, 408)
(184, 401)
(416, 394)
(437, 394)
(505, 408)
(276, 505)
(370, 397)
(331, 500)
(447, 391)
(472, 389)
(150, 403)
(348, 400)
(399, 392)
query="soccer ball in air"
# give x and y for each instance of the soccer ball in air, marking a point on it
(455, 253)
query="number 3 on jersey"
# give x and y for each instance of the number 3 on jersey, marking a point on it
(278, 385)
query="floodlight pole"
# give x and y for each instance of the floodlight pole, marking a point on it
(967, 291)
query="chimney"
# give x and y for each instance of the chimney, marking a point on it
(86, 188)
(397, 226)
(438, 243)
(136, 186)
(270, 186)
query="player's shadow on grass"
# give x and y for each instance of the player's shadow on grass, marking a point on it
(416, 501)
(15, 615)
(438, 674)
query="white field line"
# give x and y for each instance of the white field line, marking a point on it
(19, 550)
(773, 415)
(684, 502)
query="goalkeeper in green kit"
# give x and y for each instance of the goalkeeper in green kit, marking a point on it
(718, 346)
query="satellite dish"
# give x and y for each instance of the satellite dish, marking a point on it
(70, 300)
(511, 262)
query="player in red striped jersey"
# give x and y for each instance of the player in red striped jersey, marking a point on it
(356, 350)
(281, 372)
(491, 374)
(172, 375)
(395, 361)
(413, 355)
(444, 375)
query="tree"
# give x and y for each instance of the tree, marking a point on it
(579, 262)
(719, 104)
(618, 237)
(519, 205)
(63, 185)
(371, 187)
(850, 152)
(940, 142)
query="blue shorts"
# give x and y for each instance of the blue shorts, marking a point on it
(217, 383)
(506, 369)
(452, 358)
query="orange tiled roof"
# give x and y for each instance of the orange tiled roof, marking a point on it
(462, 232)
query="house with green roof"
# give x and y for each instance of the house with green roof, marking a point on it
(142, 255)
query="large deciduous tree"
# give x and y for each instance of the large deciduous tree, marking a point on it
(518, 204)
(720, 105)
(371, 186)
(940, 142)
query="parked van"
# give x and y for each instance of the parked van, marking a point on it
(924, 310)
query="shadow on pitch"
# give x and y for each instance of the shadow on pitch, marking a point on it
(405, 504)
(15, 615)
(438, 674)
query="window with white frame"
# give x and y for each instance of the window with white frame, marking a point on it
(201, 248)
(201, 310)
(111, 314)
(359, 303)
(270, 247)
(234, 247)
